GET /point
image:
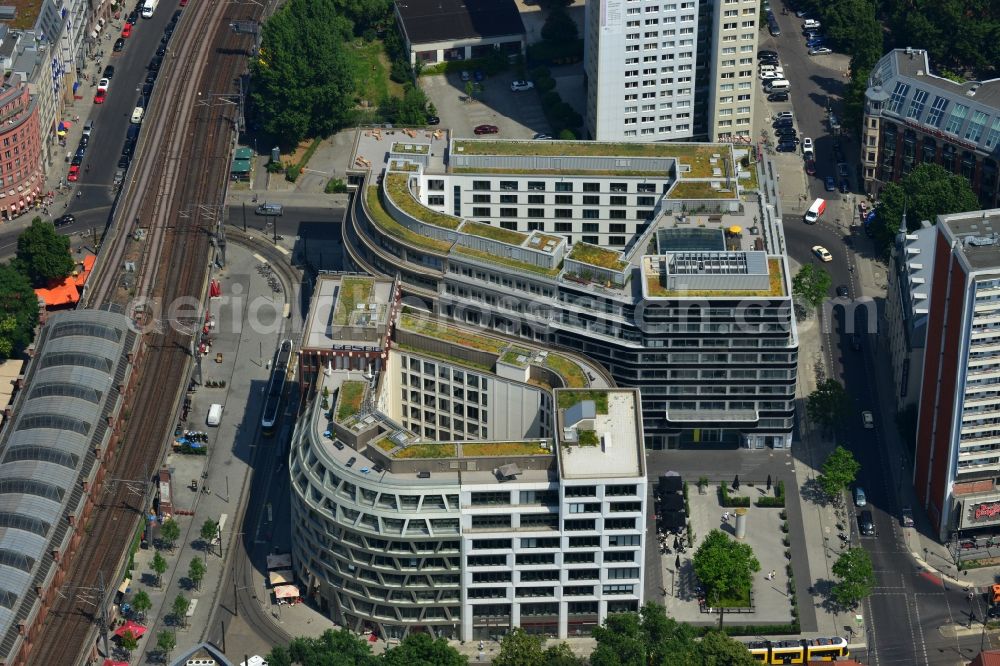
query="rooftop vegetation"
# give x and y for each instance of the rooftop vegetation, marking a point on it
(349, 400)
(493, 233)
(494, 449)
(569, 398)
(514, 356)
(700, 189)
(394, 228)
(400, 165)
(513, 263)
(587, 438)
(410, 148)
(397, 185)
(570, 372)
(457, 360)
(353, 290)
(448, 333)
(597, 256)
(430, 450)
(385, 444)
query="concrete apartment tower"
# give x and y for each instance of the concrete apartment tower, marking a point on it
(730, 35)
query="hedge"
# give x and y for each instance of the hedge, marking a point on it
(755, 629)
(728, 501)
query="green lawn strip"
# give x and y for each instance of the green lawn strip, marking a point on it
(427, 451)
(372, 73)
(410, 148)
(396, 185)
(734, 599)
(572, 375)
(512, 356)
(394, 228)
(352, 291)
(569, 398)
(775, 279)
(472, 365)
(448, 333)
(349, 401)
(503, 449)
(696, 189)
(386, 444)
(493, 233)
(587, 438)
(493, 259)
(597, 256)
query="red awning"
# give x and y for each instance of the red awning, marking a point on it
(131, 627)
(112, 662)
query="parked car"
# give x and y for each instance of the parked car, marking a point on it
(819, 50)
(783, 114)
(433, 120)
(822, 253)
(843, 291)
(814, 43)
(132, 18)
(465, 75)
(161, 50)
(478, 75)
(126, 30)
(844, 186)
(103, 85)
(521, 86)
(123, 161)
(771, 74)
(155, 63)
(119, 177)
(868, 420)
(785, 131)
(74, 173)
(119, 45)
(786, 147)
(810, 163)
(778, 97)
(830, 184)
(541, 136)
(859, 497)
(866, 523)
(486, 129)
(807, 145)
(100, 96)
(906, 518)
(184, 3)
(84, 141)
(64, 220)
(782, 122)
(109, 72)
(810, 24)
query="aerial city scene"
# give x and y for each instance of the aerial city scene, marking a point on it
(512, 332)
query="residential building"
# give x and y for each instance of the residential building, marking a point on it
(438, 31)
(913, 116)
(30, 61)
(21, 168)
(639, 60)
(453, 491)
(907, 309)
(732, 82)
(957, 463)
(523, 238)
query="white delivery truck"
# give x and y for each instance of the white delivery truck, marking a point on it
(214, 415)
(815, 211)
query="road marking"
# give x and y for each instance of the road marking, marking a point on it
(920, 630)
(283, 250)
(259, 258)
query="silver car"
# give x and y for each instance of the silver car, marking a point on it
(119, 177)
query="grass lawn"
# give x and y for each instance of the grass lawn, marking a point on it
(695, 189)
(774, 275)
(353, 290)
(739, 599)
(373, 72)
(394, 228)
(349, 402)
(385, 444)
(588, 438)
(493, 233)
(427, 451)
(597, 256)
(570, 372)
(568, 399)
(513, 355)
(398, 189)
(447, 333)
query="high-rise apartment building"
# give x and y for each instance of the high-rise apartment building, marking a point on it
(642, 58)
(958, 436)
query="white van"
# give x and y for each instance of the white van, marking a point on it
(214, 415)
(775, 85)
(815, 211)
(137, 113)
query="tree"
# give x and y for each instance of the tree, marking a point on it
(420, 648)
(718, 649)
(129, 642)
(560, 654)
(469, 89)
(304, 79)
(170, 531)
(196, 572)
(838, 472)
(926, 192)
(19, 308)
(141, 603)
(646, 637)
(811, 284)
(519, 648)
(166, 641)
(857, 577)
(559, 28)
(159, 567)
(209, 531)
(333, 648)
(180, 609)
(42, 254)
(828, 404)
(725, 567)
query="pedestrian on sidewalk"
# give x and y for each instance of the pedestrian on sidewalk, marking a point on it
(774, 573)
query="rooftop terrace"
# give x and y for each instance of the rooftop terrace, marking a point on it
(612, 447)
(335, 316)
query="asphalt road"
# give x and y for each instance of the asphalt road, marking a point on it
(315, 232)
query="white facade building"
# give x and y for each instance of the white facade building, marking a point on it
(639, 60)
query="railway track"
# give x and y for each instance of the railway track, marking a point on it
(168, 197)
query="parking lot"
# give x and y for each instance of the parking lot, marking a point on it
(517, 114)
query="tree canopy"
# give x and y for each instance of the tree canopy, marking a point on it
(724, 566)
(811, 284)
(838, 472)
(828, 404)
(420, 649)
(926, 192)
(519, 648)
(42, 254)
(342, 648)
(857, 577)
(18, 312)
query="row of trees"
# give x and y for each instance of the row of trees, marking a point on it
(42, 257)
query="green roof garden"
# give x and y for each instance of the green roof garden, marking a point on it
(587, 438)
(775, 278)
(349, 400)
(394, 228)
(570, 372)
(698, 156)
(499, 449)
(400, 165)
(446, 333)
(386, 444)
(505, 261)
(410, 148)
(429, 450)
(353, 290)
(569, 398)
(597, 256)
(398, 188)
(517, 356)
(700, 189)
(493, 233)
